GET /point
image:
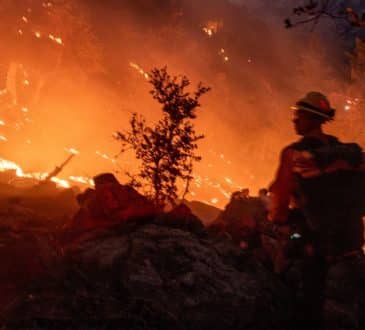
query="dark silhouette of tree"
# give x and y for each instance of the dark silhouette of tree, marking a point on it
(312, 11)
(167, 149)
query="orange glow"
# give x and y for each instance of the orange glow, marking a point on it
(54, 96)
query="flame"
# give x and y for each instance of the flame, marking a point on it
(6, 165)
(9, 165)
(60, 182)
(82, 179)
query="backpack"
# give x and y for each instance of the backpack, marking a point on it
(333, 203)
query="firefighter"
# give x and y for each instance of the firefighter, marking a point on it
(120, 202)
(324, 179)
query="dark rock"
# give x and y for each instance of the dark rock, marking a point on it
(207, 213)
(162, 272)
(181, 217)
(153, 277)
(241, 220)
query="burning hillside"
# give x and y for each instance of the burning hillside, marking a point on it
(71, 74)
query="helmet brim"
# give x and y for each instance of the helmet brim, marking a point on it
(302, 107)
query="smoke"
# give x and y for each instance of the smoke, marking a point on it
(255, 67)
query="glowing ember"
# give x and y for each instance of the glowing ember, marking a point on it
(3, 138)
(37, 34)
(139, 69)
(208, 31)
(105, 156)
(72, 151)
(47, 4)
(214, 200)
(223, 54)
(25, 19)
(228, 180)
(2, 123)
(55, 39)
(24, 109)
(212, 27)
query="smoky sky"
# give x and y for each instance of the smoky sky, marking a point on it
(256, 68)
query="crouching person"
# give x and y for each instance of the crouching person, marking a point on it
(119, 203)
(110, 203)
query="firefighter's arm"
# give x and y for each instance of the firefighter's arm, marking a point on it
(282, 188)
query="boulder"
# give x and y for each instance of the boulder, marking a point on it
(153, 276)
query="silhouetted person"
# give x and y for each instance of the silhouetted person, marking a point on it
(325, 178)
(110, 203)
(120, 202)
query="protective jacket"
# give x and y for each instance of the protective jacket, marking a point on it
(325, 178)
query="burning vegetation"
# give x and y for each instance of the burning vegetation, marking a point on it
(75, 100)
(68, 78)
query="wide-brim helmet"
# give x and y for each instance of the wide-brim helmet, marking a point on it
(317, 103)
